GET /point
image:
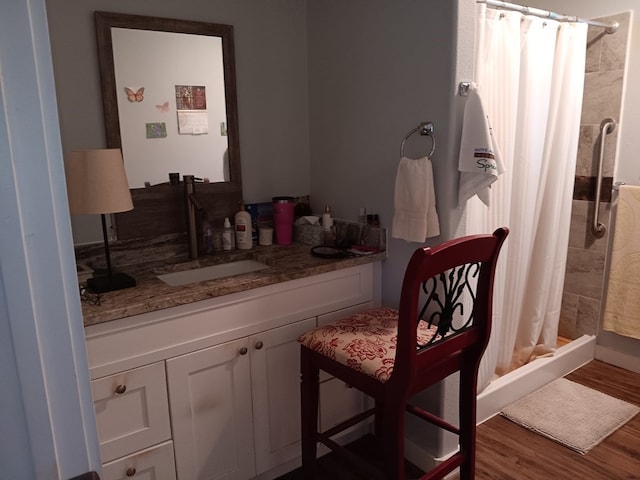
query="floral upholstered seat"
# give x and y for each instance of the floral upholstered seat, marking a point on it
(365, 342)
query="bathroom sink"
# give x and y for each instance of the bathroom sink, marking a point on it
(195, 275)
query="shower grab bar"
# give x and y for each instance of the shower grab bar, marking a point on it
(598, 228)
(423, 128)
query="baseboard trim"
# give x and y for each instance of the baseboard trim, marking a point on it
(422, 459)
(622, 360)
(528, 378)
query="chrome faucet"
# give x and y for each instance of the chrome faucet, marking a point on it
(193, 206)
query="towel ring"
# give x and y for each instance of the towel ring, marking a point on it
(424, 128)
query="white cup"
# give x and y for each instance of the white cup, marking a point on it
(265, 236)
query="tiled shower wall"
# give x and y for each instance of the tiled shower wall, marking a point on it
(604, 73)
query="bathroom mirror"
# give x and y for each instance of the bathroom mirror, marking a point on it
(169, 96)
(170, 103)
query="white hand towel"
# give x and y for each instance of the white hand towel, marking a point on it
(480, 163)
(415, 217)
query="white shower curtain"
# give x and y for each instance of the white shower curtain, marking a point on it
(530, 72)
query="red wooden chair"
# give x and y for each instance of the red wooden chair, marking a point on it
(442, 326)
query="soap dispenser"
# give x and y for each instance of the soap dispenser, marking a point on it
(244, 240)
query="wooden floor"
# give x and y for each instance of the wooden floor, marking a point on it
(506, 451)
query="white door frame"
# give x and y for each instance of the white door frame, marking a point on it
(46, 400)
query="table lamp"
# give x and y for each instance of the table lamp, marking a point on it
(97, 184)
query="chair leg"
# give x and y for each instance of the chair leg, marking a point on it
(309, 393)
(468, 392)
(391, 439)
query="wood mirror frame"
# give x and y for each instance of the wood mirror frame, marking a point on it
(160, 209)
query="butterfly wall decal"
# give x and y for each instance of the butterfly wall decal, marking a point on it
(164, 108)
(136, 96)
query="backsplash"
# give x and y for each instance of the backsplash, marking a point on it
(172, 248)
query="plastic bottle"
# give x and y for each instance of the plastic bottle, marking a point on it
(244, 240)
(362, 216)
(207, 233)
(327, 221)
(227, 236)
(328, 232)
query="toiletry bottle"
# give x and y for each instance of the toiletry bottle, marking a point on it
(227, 236)
(327, 221)
(207, 234)
(244, 240)
(328, 231)
(362, 216)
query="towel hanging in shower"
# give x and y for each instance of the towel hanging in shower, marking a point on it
(622, 307)
(479, 162)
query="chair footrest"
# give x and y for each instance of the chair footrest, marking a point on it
(346, 424)
(431, 418)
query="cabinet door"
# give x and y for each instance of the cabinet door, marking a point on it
(210, 403)
(152, 464)
(131, 410)
(275, 375)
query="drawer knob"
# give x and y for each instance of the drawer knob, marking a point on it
(259, 345)
(244, 351)
(120, 389)
(131, 471)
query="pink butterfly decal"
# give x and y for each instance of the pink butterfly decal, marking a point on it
(136, 96)
(164, 108)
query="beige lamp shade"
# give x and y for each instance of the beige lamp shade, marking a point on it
(97, 182)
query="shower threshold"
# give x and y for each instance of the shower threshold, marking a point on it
(530, 377)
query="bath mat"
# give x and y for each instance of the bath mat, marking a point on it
(571, 414)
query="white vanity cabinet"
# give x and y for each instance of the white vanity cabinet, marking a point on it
(156, 463)
(235, 407)
(211, 412)
(232, 375)
(275, 383)
(131, 415)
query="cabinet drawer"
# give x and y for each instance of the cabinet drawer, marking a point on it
(153, 463)
(132, 410)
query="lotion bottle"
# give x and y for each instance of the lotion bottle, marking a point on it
(227, 236)
(244, 240)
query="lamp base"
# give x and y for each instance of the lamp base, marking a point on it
(118, 281)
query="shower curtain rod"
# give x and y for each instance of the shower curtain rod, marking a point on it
(608, 27)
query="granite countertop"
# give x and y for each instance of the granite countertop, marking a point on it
(150, 294)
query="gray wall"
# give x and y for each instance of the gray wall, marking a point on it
(377, 69)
